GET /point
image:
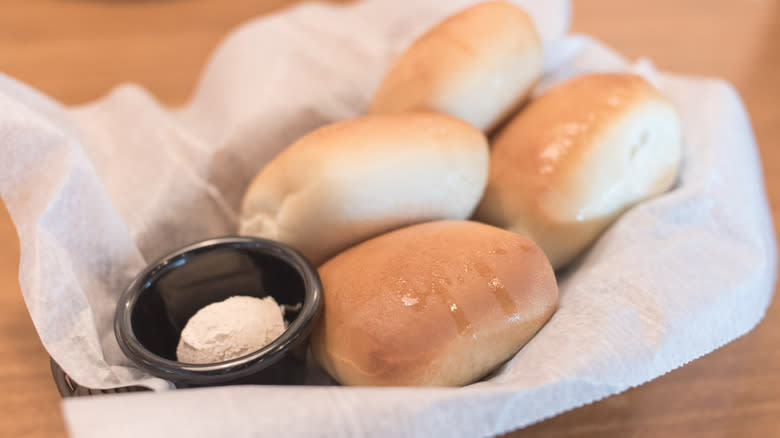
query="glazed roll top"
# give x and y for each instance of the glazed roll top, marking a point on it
(579, 155)
(478, 65)
(439, 303)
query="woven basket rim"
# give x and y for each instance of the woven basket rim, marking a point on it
(67, 387)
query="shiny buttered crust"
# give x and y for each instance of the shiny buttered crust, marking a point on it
(440, 303)
(578, 156)
(349, 181)
(478, 65)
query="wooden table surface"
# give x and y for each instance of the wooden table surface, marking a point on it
(76, 50)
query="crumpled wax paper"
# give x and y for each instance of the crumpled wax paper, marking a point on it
(98, 191)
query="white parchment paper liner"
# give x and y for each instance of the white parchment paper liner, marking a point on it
(98, 191)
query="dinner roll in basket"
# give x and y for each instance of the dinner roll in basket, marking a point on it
(583, 152)
(349, 181)
(478, 65)
(435, 304)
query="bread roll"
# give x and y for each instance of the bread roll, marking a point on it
(435, 304)
(478, 65)
(346, 182)
(577, 157)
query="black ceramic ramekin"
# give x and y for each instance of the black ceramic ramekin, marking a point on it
(154, 308)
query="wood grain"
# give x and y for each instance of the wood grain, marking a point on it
(77, 50)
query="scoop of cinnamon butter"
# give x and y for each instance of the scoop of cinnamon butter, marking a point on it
(436, 304)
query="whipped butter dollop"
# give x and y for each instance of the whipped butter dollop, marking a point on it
(229, 329)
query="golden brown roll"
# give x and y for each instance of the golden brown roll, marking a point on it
(577, 157)
(439, 303)
(478, 65)
(349, 181)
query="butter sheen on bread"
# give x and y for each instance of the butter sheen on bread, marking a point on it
(435, 304)
(577, 157)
